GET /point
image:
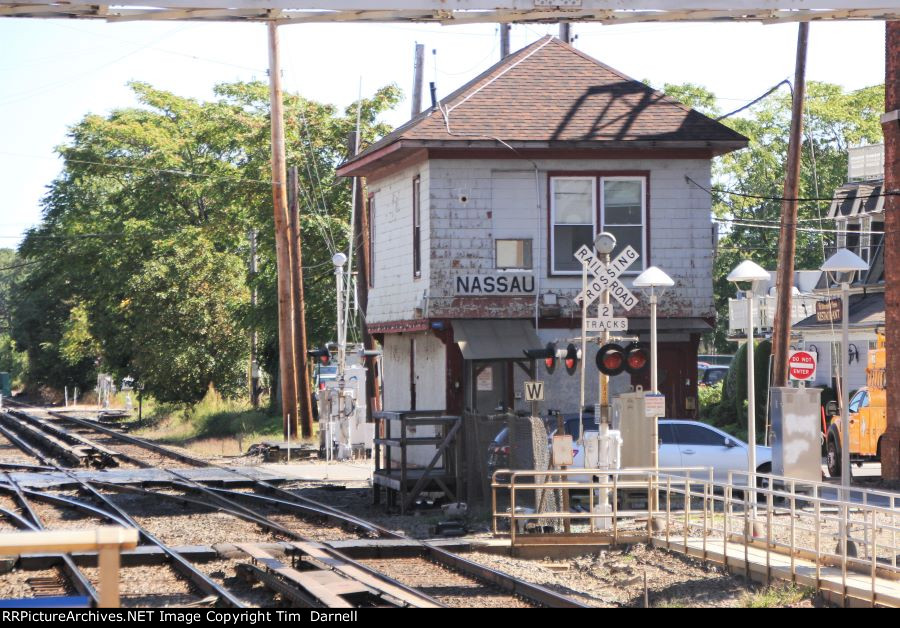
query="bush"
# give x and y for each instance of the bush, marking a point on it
(725, 405)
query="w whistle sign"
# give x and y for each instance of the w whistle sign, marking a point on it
(534, 391)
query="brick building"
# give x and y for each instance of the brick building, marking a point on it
(476, 206)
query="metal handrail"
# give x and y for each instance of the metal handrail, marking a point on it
(794, 509)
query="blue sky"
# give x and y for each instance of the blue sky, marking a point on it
(53, 72)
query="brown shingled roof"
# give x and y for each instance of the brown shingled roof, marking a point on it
(549, 92)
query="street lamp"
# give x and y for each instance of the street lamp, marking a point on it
(650, 281)
(842, 265)
(752, 273)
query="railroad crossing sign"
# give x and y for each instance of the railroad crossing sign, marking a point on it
(606, 276)
(534, 391)
(802, 365)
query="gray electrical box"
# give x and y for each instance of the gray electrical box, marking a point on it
(635, 428)
(796, 438)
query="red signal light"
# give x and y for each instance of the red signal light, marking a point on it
(636, 358)
(611, 359)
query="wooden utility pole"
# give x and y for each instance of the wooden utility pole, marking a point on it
(286, 359)
(890, 123)
(418, 77)
(787, 243)
(504, 40)
(303, 387)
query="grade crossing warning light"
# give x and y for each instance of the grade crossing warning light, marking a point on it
(611, 359)
(636, 358)
(548, 354)
(571, 358)
(322, 354)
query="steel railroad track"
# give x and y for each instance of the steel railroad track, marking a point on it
(377, 586)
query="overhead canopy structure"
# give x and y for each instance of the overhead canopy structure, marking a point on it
(453, 12)
(495, 339)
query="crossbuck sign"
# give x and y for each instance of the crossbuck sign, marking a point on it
(606, 276)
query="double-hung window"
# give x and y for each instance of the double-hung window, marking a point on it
(582, 206)
(573, 208)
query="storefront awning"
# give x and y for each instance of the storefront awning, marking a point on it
(495, 339)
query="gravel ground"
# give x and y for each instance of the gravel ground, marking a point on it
(11, 453)
(450, 588)
(55, 518)
(15, 584)
(149, 586)
(250, 593)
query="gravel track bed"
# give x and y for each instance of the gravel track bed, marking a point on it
(15, 583)
(188, 524)
(450, 588)
(7, 503)
(61, 518)
(616, 578)
(144, 455)
(251, 593)
(149, 586)
(11, 453)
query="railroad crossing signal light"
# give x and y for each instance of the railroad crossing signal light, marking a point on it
(611, 359)
(548, 354)
(571, 358)
(322, 354)
(636, 358)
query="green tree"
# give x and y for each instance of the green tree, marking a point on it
(156, 202)
(833, 121)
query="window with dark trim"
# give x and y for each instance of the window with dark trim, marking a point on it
(417, 227)
(583, 205)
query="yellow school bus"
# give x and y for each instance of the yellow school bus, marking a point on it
(868, 416)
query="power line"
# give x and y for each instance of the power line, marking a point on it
(743, 223)
(714, 191)
(755, 100)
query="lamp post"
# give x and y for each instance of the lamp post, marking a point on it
(338, 259)
(752, 273)
(654, 282)
(842, 266)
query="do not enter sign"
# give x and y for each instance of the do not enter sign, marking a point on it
(802, 365)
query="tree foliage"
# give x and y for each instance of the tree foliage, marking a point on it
(141, 259)
(833, 121)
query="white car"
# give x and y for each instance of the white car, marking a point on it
(692, 444)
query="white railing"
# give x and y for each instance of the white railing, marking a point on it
(799, 522)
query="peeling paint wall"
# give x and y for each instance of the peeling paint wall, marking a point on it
(395, 365)
(474, 202)
(396, 294)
